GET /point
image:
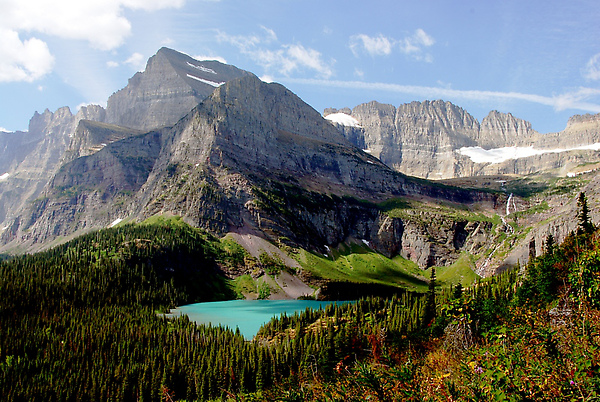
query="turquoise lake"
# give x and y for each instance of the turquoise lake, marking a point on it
(247, 315)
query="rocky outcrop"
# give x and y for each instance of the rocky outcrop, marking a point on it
(91, 136)
(38, 155)
(171, 85)
(499, 130)
(417, 139)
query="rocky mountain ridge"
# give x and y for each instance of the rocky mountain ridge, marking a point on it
(427, 139)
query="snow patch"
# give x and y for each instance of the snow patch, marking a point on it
(202, 68)
(115, 222)
(366, 242)
(4, 176)
(214, 84)
(498, 155)
(343, 119)
(574, 174)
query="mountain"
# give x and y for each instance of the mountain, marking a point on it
(30, 159)
(170, 86)
(439, 140)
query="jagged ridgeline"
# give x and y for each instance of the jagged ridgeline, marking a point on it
(215, 145)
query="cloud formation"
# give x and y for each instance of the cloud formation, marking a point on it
(101, 23)
(413, 45)
(374, 46)
(137, 61)
(26, 60)
(277, 58)
(592, 68)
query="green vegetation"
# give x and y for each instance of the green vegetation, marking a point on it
(422, 211)
(461, 271)
(357, 263)
(532, 338)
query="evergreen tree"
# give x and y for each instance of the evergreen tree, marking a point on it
(430, 305)
(583, 215)
(550, 244)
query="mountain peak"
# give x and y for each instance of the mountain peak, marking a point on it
(171, 85)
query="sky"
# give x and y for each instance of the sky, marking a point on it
(539, 60)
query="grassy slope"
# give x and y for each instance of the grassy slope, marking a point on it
(461, 271)
(357, 263)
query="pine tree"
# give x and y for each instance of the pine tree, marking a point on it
(430, 306)
(550, 244)
(583, 215)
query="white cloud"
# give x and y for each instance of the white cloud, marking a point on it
(375, 46)
(101, 23)
(136, 60)
(413, 45)
(306, 57)
(577, 100)
(275, 58)
(271, 36)
(3, 130)
(592, 68)
(20, 60)
(112, 64)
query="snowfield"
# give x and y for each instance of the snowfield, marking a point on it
(343, 119)
(499, 155)
(214, 84)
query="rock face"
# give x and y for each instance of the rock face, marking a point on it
(417, 139)
(499, 130)
(423, 139)
(91, 136)
(34, 156)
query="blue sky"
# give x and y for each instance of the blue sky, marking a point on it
(539, 60)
